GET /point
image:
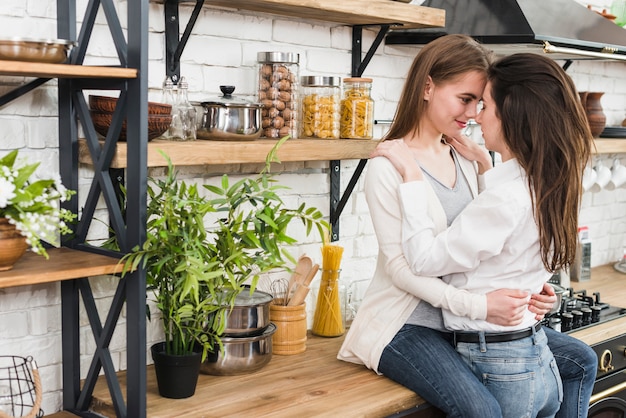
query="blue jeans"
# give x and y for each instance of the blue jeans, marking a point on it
(522, 374)
(424, 360)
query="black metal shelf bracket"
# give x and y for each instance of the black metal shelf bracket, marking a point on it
(359, 63)
(174, 46)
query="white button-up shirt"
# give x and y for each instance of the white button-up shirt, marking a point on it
(492, 244)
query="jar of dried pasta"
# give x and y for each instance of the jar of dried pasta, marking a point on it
(321, 97)
(278, 92)
(357, 109)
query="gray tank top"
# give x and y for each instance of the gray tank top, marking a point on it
(453, 200)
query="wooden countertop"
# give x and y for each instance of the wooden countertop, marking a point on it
(315, 383)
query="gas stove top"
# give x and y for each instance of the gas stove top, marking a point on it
(579, 310)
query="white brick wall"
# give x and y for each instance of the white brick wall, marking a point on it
(223, 50)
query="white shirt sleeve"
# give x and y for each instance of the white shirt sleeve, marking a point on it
(479, 232)
(381, 190)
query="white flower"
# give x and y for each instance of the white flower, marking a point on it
(7, 192)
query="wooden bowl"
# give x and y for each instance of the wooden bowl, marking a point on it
(157, 124)
(107, 104)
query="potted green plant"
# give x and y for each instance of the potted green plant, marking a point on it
(201, 252)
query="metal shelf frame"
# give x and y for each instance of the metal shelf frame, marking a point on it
(129, 226)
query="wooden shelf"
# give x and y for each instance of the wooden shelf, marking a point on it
(64, 264)
(36, 69)
(610, 146)
(350, 12)
(206, 152)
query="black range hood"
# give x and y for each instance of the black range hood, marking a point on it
(509, 26)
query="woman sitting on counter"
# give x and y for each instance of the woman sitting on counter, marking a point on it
(398, 331)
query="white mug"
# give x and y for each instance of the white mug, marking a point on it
(603, 177)
(618, 176)
(589, 177)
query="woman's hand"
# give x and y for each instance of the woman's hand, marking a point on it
(541, 303)
(506, 306)
(401, 156)
(471, 151)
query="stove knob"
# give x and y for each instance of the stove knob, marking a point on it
(567, 321)
(578, 319)
(586, 315)
(595, 313)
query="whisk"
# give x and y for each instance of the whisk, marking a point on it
(278, 289)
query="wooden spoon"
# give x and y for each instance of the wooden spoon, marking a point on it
(303, 267)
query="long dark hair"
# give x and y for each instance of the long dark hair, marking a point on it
(545, 127)
(443, 59)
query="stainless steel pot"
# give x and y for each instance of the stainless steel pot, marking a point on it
(560, 293)
(241, 355)
(230, 119)
(250, 316)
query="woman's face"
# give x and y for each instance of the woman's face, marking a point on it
(452, 103)
(491, 125)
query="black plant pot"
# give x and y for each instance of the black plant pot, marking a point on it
(177, 376)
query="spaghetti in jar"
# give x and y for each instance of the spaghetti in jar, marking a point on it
(357, 109)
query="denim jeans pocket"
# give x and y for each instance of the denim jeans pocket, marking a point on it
(514, 392)
(557, 377)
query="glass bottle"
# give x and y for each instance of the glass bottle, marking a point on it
(329, 318)
(167, 97)
(185, 123)
(357, 109)
(319, 116)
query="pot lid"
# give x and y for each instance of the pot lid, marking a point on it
(228, 100)
(256, 298)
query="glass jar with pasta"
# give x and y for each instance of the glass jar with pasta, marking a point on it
(357, 109)
(321, 97)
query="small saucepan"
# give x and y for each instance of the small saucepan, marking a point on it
(228, 118)
(250, 316)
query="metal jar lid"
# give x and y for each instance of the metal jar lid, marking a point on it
(228, 100)
(278, 57)
(320, 81)
(357, 80)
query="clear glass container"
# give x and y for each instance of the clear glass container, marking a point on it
(184, 119)
(278, 92)
(357, 109)
(167, 97)
(319, 116)
(329, 319)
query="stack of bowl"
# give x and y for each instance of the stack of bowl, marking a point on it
(247, 338)
(102, 108)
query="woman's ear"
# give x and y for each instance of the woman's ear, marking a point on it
(428, 89)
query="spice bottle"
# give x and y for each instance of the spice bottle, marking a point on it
(357, 109)
(278, 92)
(319, 116)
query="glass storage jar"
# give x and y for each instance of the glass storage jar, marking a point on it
(357, 109)
(319, 116)
(278, 92)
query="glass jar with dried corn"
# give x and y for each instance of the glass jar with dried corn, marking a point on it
(357, 109)
(321, 97)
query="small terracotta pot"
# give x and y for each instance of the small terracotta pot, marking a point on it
(12, 245)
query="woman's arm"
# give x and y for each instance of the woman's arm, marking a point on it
(381, 185)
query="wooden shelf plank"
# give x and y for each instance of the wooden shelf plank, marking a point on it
(203, 152)
(44, 70)
(64, 264)
(610, 146)
(351, 12)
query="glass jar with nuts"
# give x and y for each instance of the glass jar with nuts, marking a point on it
(278, 92)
